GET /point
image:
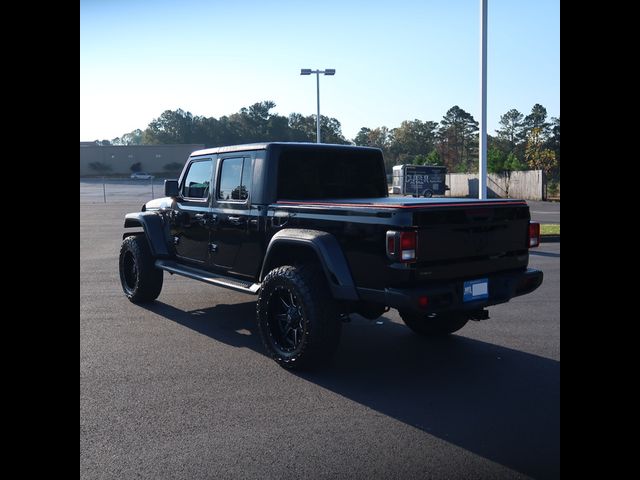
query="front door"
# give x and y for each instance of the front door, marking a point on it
(192, 223)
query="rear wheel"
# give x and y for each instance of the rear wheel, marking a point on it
(297, 317)
(141, 280)
(427, 193)
(434, 324)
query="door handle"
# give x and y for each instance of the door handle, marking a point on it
(206, 219)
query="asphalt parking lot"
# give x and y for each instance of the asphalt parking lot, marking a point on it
(182, 388)
(544, 212)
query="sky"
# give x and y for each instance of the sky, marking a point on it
(395, 60)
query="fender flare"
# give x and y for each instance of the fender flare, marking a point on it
(329, 253)
(154, 230)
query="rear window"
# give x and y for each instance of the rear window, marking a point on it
(235, 179)
(307, 174)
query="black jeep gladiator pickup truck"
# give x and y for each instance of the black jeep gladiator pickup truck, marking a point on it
(311, 229)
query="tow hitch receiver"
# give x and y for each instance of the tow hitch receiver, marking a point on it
(477, 315)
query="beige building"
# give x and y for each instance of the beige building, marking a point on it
(152, 158)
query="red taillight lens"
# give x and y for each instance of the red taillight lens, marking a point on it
(407, 240)
(402, 246)
(423, 301)
(534, 234)
(408, 246)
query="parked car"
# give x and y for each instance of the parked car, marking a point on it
(141, 176)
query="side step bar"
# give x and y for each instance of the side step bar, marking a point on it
(208, 277)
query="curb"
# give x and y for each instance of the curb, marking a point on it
(549, 238)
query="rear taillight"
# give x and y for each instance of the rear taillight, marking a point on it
(408, 242)
(402, 246)
(534, 234)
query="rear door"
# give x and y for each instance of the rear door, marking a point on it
(191, 223)
(232, 209)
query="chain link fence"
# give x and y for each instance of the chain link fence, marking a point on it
(120, 190)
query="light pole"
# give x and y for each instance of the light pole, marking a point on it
(482, 164)
(327, 71)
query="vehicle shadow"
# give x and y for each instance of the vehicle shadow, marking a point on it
(499, 403)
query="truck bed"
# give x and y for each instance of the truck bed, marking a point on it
(457, 237)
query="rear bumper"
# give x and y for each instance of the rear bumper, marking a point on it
(448, 295)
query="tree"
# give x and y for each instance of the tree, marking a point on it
(513, 163)
(251, 123)
(132, 138)
(301, 128)
(277, 129)
(538, 157)
(537, 119)
(419, 160)
(331, 131)
(413, 138)
(171, 127)
(433, 158)
(458, 139)
(452, 143)
(381, 138)
(207, 130)
(496, 159)
(554, 144)
(512, 127)
(362, 138)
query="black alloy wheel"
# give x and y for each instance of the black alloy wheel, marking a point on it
(286, 319)
(297, 317)
(129, 272)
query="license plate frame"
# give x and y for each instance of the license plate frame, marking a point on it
(477, 289)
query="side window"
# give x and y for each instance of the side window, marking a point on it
(235, 179)
(196, 184)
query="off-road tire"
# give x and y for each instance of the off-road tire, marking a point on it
(303, 331)
(141, 280)
(434, 325)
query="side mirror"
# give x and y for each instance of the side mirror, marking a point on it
(171, 188)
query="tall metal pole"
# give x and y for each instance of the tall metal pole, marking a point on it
(318, 118)
(482, 168)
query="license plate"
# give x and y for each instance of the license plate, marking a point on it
(475, 290)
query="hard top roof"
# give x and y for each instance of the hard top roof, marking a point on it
(263, 146)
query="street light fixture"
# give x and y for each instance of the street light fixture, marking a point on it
(327, 71)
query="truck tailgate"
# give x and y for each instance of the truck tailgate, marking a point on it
(471, 231)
